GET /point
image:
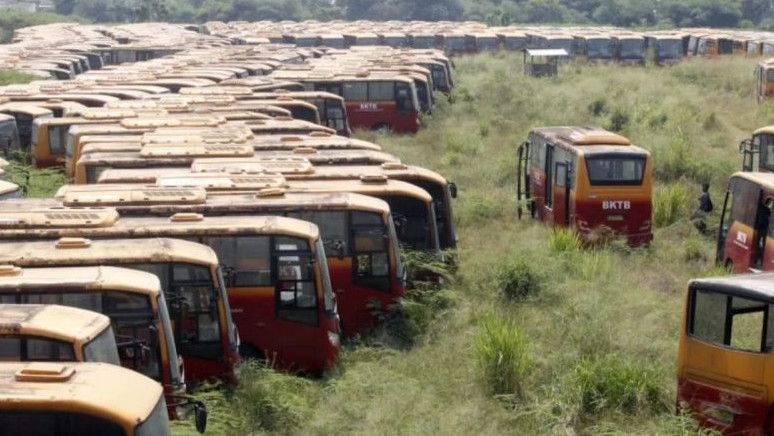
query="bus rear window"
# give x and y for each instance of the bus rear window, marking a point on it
(615, 170)
(730, 321)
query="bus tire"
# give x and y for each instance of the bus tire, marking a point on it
(248, 352)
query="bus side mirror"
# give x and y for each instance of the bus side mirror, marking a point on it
(200, 416)
(453, 189)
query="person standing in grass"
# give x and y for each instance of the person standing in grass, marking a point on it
(699, 217)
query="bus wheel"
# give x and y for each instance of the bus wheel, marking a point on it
(247, 352)
(382, 128)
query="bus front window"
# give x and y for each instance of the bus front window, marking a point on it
(296, 291)
(730, 321)
(191, 295)
(23, 349)
(765, 145)
(103, 348)
(371, 262)
(132, 317)
(608, 170)
(405, 97)
(56, 139)
(48, 422)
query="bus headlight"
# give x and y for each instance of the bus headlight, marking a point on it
(334, 339)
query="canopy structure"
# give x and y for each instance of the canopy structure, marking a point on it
(543, 62)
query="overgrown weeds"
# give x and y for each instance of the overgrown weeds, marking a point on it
(502, 355)
(669, 205)
(564, 240)
(518, 279)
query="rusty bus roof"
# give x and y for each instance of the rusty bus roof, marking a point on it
(303, 95)
(365, 186)
(79, 251)
(98, 389)
(260, 201)
(768, 130)
(757, 286)
(28, 108)
(765, 180)
(88, 278)
(63, 323)
(283, 123)
(178, 225)
(7, 187)
(587, 139)
(317, 157)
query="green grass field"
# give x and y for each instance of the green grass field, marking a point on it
(534, 335)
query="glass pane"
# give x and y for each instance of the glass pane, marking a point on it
(44, 349)
(709, 314)
(616, 170)
(245, 259)
(102, 349)
(333, 229)
(369, 239)
(747, 331)
(381, 91)
(355, 91)
(10, 349)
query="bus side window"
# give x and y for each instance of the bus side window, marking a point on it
(765, 145)
(355, 91)
(380, 91)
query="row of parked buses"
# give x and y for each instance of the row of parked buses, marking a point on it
(217, 211)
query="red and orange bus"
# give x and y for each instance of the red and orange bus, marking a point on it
(725, 356)
(745, 239)
(374, 100)
(357, 232)
(275, 267)
(588, 179)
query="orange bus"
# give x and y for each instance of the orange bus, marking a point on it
(589, 179)
(132, 299)
(53, 333)
(275, 267)
(357, 232)
(76, 399)
(192, 281)
(90, 166)
(724, 359)
(745, 239)
(331, 107)
(25, 115)
(764, 74)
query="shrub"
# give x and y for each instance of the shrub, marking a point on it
(618, 120)
(272, 401)
(610, 383)
(669, 205)
(598, 107)
(692, 250)
(502, 356)
(564, 240)
(517, 279)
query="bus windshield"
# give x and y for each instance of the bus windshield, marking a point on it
(615, 169)
(103, 348)
(29, 349)
(765, 144)
(157, 423)
(731, 321)
(599, 48)
(47, 422)
(132, 316)
(670, 48)
(192, 297)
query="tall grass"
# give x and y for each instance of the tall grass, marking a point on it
(502, 355)
(595, 352)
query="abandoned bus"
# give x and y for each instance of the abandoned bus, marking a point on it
(764, 73)
(275, 271)
(412, 207)
(9, 135)
(331, 107)
(378, 101)
(53, 333)
(131, 299)
(25, 115)
(725, 359)
(49, 135)
(204, 333)
(76, 399)
(745, 237)
(357, 232)
(589, 179)
(91, 166)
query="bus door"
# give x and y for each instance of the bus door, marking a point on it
(562, 193)
(744, 225)
(546, 211)
(522, 176)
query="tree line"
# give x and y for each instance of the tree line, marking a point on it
(650, 13)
